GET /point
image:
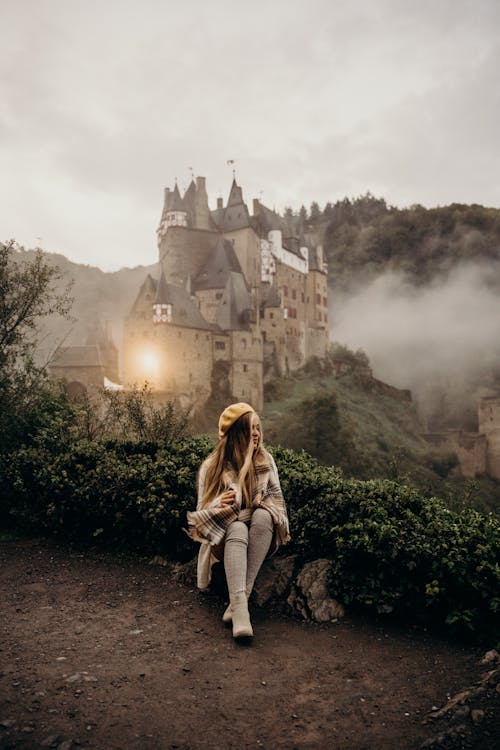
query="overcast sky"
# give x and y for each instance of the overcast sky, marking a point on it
(104, 103)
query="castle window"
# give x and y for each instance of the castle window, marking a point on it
(245, 368)
(302, 296)
(179, 334)
(325, 301)
(196, 336)
(244, 343)
(285, 313)
(271, 315)
(218, 295)
(220, 345)
(294, 294)
(318, 299)
(285, 290)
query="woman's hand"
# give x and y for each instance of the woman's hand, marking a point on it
(228, 497)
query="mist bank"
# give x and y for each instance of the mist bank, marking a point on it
(441, 340)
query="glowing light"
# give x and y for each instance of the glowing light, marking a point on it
(149, 361)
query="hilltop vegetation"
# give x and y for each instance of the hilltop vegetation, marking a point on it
(368, 429)
(364, 237)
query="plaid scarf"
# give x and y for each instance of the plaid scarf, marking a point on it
(210, 523)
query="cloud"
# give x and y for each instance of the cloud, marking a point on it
(102, 104)
(416, 336)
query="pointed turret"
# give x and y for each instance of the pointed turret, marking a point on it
(176, 214)
(235, 195)
(188, 202)
(162, 306)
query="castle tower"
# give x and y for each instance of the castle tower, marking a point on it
(176, 214)
(489, 425)
(201, 210)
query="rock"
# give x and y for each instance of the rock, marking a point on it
(7, 723)
(51, 741)
(477, 715)
(274, 579)
(460, 713)
(310, 594)
(457, 700)
(490, 657)
(491, 678)
(66, 745)
(186, 573)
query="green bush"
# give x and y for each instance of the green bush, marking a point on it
(129, 494)
(392, 550)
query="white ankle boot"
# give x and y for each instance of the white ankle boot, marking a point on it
(228, 615)
(242, 627)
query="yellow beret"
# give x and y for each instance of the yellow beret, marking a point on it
(231, 414)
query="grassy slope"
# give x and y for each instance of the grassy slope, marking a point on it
(380, 437)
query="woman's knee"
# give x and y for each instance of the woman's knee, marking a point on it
(262, 519)
(237, 530)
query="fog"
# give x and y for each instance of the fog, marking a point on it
(443, 336)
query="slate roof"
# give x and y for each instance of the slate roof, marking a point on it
(162, 294)
(177, 202)
(292, 244)
(235, 215)
(235, 308)
(235, 195)
(268, 219)
(221, 262)
(77, 356)
(185, 311)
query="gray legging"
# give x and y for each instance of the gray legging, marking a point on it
(245, 549)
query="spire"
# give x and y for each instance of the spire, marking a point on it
(162, 291)
(235, 195)
(162, 308)
(177, 204)
(188, 199)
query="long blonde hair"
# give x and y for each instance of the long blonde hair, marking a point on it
(234, 454)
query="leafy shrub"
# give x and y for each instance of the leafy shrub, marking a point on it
(392, 550)
(130, 494)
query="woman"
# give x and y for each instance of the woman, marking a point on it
(241, 514)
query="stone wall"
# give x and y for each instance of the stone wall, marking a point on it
(489, 425)
(470, 449)
(173, 359)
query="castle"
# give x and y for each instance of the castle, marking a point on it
(238, 296)
(478, 453)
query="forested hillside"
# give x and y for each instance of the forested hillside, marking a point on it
(364, 238)
(417, 289)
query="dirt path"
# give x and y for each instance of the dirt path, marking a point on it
(99, 652)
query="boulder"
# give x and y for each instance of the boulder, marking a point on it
(274, 579)
(310, 596)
